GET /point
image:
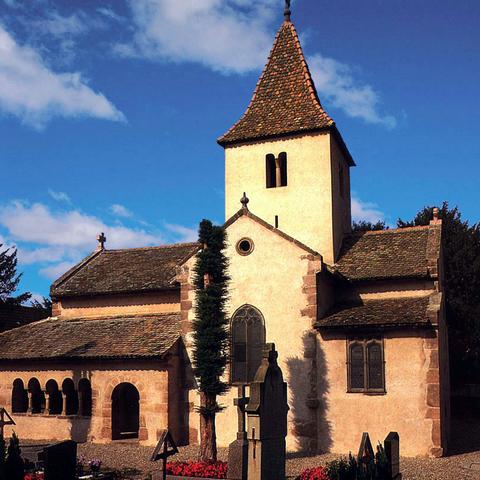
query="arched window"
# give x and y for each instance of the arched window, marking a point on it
(55, 400)
(85, 397)
(248, 339)
(19, 397)
(366, 366)
(38, 397)
(276, 170)
(271, 168)
(71, 397)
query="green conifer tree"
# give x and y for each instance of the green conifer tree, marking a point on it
(14, 466)
(210, 351)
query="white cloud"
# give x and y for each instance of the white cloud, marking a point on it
(215, 33)
(184, 234)
(71, 229)
(27, 256)
(59, 196)
(337, 87)
(120, 211)
(59, 25)
(56, 271)
(236, 36)
(366, 211)
(35, 94)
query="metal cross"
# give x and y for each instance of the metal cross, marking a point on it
(287, 11)
(3, 421)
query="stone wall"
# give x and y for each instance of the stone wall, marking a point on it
(151, 379)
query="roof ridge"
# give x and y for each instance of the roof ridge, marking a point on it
(133, 316)
(153, 247)
(389, 230)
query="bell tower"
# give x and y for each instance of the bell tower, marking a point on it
(287, 154)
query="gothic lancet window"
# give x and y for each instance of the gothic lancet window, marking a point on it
(276, 170)
(366, 366)
(247, 340)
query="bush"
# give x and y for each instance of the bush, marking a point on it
(198, 469)
(14, 467)
(317, 473)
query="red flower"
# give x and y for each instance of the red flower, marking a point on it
(198, 469)
(317, 473)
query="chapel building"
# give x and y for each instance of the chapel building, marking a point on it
(358, 319)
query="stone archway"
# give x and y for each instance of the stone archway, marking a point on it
(125, 412)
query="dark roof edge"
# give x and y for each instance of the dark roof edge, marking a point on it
(381, 326)
(245, 212)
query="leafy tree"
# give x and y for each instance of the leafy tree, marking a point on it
(210, 351)
(9, 279)
(45, 306)
(14, 466)
(461, 251)
(363, 225)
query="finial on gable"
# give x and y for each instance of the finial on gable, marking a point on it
(287, 12)
(436, 220)
(101, 239)
(244, 201)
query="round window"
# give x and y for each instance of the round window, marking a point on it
(245, 246)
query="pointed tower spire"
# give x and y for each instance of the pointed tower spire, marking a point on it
(285, 100)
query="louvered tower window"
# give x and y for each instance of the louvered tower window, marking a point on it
(247, 341)
(365, 366)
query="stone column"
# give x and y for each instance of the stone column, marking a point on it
(30, 402)
(46, 411)
(64, 404)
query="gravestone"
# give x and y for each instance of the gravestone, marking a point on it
(267, 420)
(392, 451)
(238, 449)
(59, 460)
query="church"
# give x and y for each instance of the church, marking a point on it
(358, 319)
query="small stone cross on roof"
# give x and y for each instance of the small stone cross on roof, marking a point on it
(101, 241)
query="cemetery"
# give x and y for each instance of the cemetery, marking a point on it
(291, 342)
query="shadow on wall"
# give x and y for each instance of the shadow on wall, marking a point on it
(308, 385)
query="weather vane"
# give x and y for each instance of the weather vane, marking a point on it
(287, 11)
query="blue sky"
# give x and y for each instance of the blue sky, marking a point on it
(109, 112)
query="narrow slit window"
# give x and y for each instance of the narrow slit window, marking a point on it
(282, 160)
(276, 170)
(270, 171)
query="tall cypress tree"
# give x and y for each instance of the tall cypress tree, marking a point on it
(210, 350)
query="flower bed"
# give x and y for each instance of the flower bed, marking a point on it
(198, 469)
(317, 473)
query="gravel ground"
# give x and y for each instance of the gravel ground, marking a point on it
(463, 465)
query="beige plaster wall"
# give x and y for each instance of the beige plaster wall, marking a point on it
(150, 379)
(119, 304)
(304, 206)
(271, 279)
(344, 416)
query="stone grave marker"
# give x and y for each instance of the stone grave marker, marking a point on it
(392, 450)
(238, 449)
(59, 460)
(267, 420)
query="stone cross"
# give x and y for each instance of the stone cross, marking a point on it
(267, 420)
(101, 239)
(238, 449)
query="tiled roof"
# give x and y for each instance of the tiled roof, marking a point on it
(285, 99)
(400, 312)
(387, 254)
(121, 271)
(13, 316)
(113, 337)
